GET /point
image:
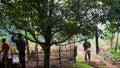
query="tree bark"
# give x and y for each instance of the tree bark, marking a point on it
(46, 47)
(46, 56)
(96, 39)
(28, 52)
(116, 42)
(111, 40)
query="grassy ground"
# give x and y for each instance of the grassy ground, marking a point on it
(79, 64)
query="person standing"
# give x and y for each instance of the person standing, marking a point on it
(87, 47)
(20, 44)
(5, 50)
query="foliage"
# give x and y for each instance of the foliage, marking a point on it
(106, 35)
(110, 49)
(55, 20)
(114, 15)
(113, 18)
(112, 25)
(115, 9)
(55, 17)
(115, 56)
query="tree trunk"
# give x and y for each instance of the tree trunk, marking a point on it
(97, 45)
(107, 43)
(46, 56)
(111, 40)
(116, 42)
(27, 46)
(46, 47)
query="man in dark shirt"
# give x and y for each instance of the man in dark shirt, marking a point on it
(20, 44)
(87, 47)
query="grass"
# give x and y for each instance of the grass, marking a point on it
(79, 64)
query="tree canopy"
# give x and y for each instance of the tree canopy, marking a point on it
(55, 20)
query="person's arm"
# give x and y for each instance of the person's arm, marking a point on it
(0, 50)
(84, 46)
(90, 45)
(13, 39)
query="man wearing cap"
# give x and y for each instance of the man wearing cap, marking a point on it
(20, 44)
(87, 47)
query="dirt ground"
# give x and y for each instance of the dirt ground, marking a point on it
(96, 60)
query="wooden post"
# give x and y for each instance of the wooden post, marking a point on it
(37, 54)
(59, 54)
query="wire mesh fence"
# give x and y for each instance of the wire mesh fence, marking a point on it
(35, 59)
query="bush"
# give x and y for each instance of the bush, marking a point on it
(115, 56)
(111, 49)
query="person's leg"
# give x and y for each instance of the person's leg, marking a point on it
(85, 56)
(23, 58)
(89, 55)
(20, 57)
(3, 59)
